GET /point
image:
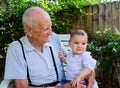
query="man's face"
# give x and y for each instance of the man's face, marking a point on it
(41, 32)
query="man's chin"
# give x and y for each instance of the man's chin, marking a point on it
(46, 41)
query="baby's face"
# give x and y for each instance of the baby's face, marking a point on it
(78, 44)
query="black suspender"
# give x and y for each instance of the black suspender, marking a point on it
(54, 64)
(28, 76)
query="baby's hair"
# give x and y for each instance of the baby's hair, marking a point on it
(78, 32)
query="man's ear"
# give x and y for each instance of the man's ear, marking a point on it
(28, 31)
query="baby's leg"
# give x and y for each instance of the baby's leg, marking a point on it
(59, 84)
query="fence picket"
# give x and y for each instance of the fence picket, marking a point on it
(99, 17)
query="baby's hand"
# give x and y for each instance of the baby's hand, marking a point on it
(62, 57)
(76, 81)
(60, 54)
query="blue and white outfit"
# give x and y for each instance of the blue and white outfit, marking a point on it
(76, 63)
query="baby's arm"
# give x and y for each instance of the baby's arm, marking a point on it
(81, 76)
(62, 57)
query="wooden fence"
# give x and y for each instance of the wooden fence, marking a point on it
(99, 17)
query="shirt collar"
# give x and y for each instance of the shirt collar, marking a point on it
(29, 47)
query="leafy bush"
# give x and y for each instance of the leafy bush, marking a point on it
(105, 44)
(105, 47)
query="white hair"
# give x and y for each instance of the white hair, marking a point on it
(30, 17)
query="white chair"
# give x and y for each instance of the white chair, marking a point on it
(64, 39)
(5, 83)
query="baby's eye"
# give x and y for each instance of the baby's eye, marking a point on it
(76, 42)
(83, 43)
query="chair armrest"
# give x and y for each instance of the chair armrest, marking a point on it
(5, 83)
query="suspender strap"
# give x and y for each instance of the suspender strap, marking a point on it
(28, 77)
(54, 64)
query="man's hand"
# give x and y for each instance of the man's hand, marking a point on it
(21, 83)
(68, 85)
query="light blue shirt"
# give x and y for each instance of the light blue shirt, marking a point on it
(40, 64)
(76, 63)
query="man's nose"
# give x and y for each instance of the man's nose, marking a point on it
(50, 31)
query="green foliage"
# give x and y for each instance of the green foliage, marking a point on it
(63, 14)
(105, 47)
(105, 44)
